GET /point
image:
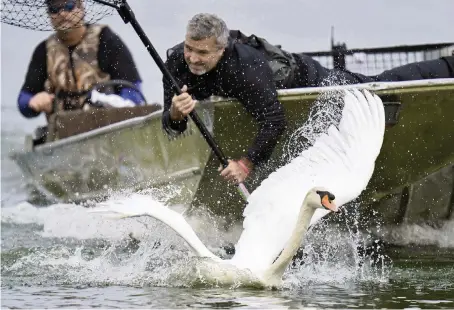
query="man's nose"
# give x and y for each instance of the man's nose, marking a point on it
(193, 58)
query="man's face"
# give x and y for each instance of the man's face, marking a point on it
(203, 55)
(66, 14)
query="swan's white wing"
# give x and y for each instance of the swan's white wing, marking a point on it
(144, 206)
(341, 161)
(361, 158)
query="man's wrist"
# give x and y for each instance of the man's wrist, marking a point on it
(248, 165)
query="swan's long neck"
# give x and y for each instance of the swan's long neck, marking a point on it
(274, 273)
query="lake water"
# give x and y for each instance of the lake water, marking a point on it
(62, 256)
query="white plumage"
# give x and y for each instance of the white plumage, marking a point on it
(342, 161)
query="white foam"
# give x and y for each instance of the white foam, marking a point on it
(421, 234)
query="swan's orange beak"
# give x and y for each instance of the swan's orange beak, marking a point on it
(328, 204)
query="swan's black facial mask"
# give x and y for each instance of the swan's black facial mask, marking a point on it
(326, 199)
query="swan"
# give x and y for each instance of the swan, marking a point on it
(329, 174)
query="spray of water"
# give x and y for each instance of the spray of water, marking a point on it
(87, 249)
(341, 244)
(409, 234)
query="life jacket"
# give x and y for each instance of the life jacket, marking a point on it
(74, 72)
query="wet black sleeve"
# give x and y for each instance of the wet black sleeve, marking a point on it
(115, 57)
(173, 128)
(37, 72)
(254, 87)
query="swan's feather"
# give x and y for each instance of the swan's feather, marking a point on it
(341, 161)
(145, 206)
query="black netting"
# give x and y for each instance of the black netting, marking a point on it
(34, 14)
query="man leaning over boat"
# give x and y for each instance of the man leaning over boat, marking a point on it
(73, 59)
(213, 60)
(209, 63)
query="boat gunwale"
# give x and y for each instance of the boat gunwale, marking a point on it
(383, 87)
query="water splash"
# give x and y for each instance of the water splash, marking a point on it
(421, 234)
(335, 253)
(90, 250)
(324, 112)
(85, 248)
